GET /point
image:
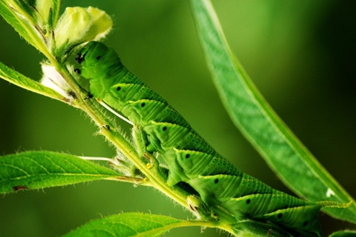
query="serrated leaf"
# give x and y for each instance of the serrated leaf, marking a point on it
(22, 81)
(250, 112)
(43, 169)
(149, 225)
(125, 225)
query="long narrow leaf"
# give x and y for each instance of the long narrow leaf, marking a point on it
(127, 224)
(42, 169)
(19, 24)
(22, 81)
(285, 154)
(149, 225)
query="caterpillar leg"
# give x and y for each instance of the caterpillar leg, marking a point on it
(139, 139)
(201, 209)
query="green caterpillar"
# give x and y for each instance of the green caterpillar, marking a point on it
(189, 157)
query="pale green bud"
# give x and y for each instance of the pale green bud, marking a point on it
(101, 24)
(78, 25)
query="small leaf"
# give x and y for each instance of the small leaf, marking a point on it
(251, 113)
(42, 169)
(125, 225)
(22, 81)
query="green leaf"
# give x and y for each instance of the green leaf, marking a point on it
(33, 22)
(42, 169)
(346, 233)
(250, 112)
(147, 225)
(22, 26)
(127, 224)
(22, 81)
(251, 228)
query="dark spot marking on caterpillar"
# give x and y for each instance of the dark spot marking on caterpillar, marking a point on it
(164, 128)
(216, 181)
(305, 223)
(248, 201)
(118, 88)
(98, 57)
(187, 156)
(280, 215)
(80, 58)
(19, 187)
(78, 71)
(143, 104)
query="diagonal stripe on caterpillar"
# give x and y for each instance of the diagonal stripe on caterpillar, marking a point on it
(189, 157)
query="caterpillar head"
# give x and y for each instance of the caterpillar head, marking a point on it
(96, 59)
(99, 64)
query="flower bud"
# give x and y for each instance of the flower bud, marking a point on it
(78, 25)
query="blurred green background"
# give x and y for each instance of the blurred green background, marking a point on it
(300, 54)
